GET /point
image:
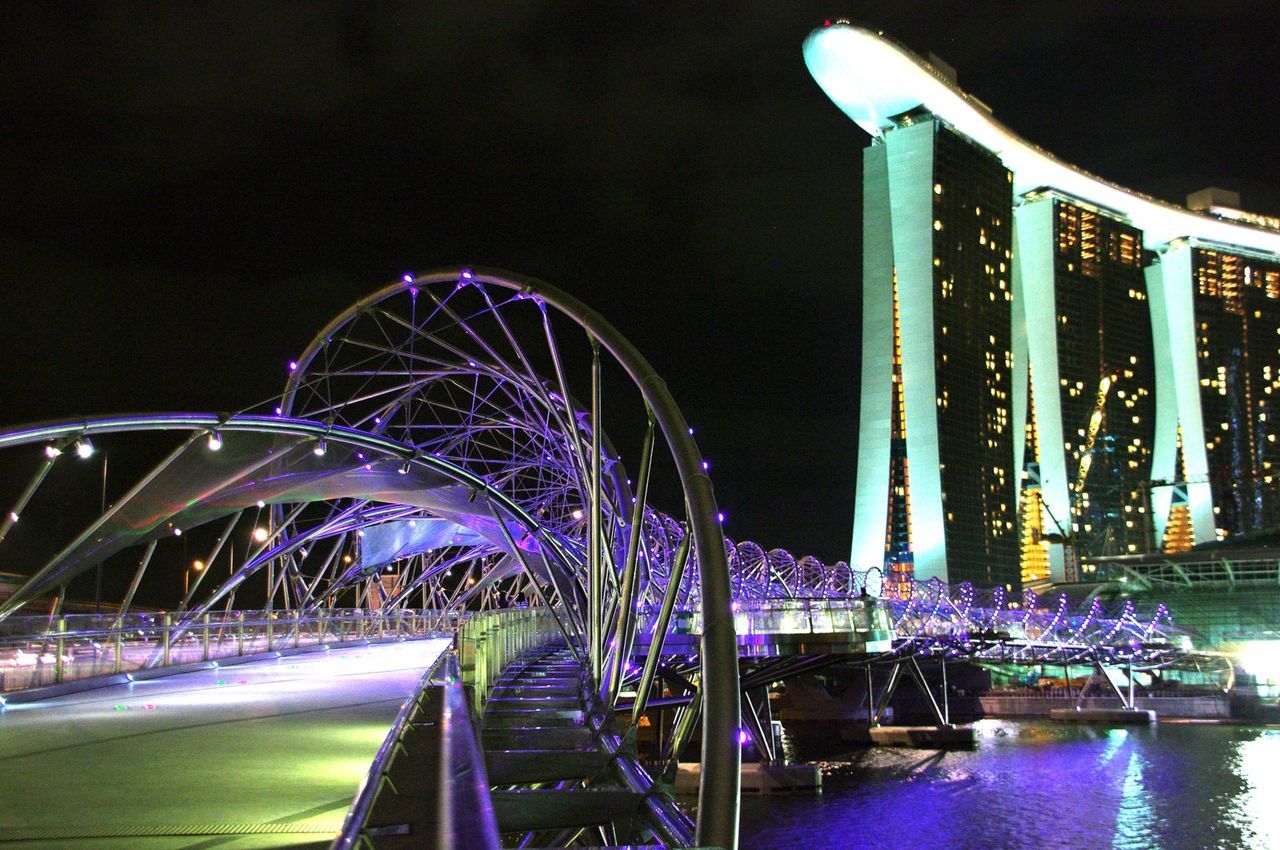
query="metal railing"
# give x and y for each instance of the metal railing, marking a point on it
(489, 641)
(353, 826)
(43, 651)
(463, 818)
(785, 616)
(465, 811)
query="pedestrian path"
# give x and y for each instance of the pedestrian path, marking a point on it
(264, 754)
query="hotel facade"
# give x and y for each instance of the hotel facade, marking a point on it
(1053, 367)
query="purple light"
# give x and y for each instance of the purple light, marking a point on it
(466, 274)
(408, 278)
(279, 411)
(706, 464)
(720, 517)
(690, 430)
(742, 737)
(293, 365)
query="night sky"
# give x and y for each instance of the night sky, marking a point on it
(191, 190)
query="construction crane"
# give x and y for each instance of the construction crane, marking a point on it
(1091, 433)
(1069, 538)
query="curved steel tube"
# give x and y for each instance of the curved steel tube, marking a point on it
(721, 757)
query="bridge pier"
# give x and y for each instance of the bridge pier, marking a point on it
(1126, 714)
(858, 714)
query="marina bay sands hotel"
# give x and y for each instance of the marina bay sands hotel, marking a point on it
(1053, 367)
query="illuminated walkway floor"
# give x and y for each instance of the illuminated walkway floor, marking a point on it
(266, 754)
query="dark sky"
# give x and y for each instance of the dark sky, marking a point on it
(188, 191)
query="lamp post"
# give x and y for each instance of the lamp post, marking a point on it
(196, 566)
(102, 509)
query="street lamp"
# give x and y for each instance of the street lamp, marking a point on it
(196, 567)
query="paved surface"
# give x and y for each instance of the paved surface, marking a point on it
(267, 754)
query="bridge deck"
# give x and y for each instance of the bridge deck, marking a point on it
(264, 754)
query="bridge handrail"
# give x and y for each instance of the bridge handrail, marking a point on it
(43, 651)
(358, 814)
(466, 815)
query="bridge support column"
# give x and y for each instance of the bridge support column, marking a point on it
(758, 716)
(1126, 714)
(941, 712)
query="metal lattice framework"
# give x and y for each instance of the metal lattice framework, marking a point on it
(985, 625)
(439, 443)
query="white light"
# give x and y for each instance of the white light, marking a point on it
(260, 534)
(177, 532)
(1260, 659)
(577, 514)
(84, 448)
(320, 449)
(215, 441)
(51, 451)
(13, 516)
(261, 504)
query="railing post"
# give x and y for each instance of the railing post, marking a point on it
(239, 633)
(119, 646)
(297, 627)
(165, 622)
(205, 620)
(271, 615)
(482, 671)
(60, 647)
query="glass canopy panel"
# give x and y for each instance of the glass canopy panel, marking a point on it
(391, 541)
(195, 486)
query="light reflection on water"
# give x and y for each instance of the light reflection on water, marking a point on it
(1040, 785)
(1256, 811)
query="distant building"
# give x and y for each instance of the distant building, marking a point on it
(1084, 335)
(936, 431)
(1053, 367)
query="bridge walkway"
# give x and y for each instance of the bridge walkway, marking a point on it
(262, 754)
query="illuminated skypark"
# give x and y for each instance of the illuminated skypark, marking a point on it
(1133, 322)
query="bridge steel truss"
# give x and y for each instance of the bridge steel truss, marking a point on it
(441, 443)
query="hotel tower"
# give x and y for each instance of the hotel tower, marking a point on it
(1053, 367)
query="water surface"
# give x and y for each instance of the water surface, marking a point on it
(1040, 785)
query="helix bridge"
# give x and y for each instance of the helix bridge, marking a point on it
(458, 446)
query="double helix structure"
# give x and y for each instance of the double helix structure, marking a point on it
(468, 441)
